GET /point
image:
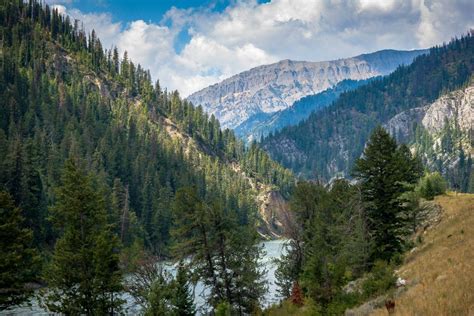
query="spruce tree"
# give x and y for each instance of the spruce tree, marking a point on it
(158, 299)
(383, 172)
(83, 276)
(182, 299)
(18, 259)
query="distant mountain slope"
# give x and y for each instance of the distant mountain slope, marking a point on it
(262, 124)
(442, 133)
(328, 143)
(275, 87)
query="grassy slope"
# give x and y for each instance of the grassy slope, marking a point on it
(440, 272)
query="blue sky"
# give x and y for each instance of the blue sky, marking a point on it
(190, 44)
(148, 10)
(151, 11)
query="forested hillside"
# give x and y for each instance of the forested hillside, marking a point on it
(64, 96)
(442, 134)
(262, 124)
(329, 141)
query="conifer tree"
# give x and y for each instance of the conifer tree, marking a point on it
(18, 258)
(83, 276)
(383, 171)
(158, 299)
(182, 299)
(224, 255)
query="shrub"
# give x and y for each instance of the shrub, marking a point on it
(380, 280)
(342, 302)
(223, 309)
(431, 185)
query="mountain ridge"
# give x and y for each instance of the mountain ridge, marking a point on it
(262, 124)
(328, 142)
(273, 87)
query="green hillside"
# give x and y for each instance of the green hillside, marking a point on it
(329, 141)
(62, 95)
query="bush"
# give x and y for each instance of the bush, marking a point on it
(342, 302)
(223, 309)
(431, 185)
(380, 280)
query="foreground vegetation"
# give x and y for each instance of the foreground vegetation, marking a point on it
(348, 232)
(440, 270)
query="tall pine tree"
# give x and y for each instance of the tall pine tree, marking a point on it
(18, 258)
(383, 172)
(83, 276)
(182, 299)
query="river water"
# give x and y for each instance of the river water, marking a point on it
(273, 250)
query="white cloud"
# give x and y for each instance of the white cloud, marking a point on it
(247, 34)
(102, 23)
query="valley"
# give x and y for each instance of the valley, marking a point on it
(339, 187)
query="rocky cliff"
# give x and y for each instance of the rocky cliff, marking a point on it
(440, 130)
(454, 110)
(275, 87)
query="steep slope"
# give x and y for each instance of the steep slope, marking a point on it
(64, 97)
(262, 124)
(327, 143)
(448, 250)
(442, 133)
(275, 87)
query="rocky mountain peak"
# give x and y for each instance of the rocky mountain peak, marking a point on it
(275, 87)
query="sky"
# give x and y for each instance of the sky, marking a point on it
(191, 44)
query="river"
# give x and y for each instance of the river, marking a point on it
(273, 250)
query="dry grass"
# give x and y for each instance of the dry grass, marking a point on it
(440, 272)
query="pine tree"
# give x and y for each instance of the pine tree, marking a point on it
(182, 299)
(158, 299)
(83, 276)
(225, 254)
(18, 259)
(383, 172)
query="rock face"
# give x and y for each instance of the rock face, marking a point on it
(455, 109)
(457, 106)
(447, 125)
(276, 220)
(401, 125)
(275, 87)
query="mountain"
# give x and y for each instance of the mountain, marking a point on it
(442, 133)
(275, 87)
(262, 124)
(64, 97)
(328, 142)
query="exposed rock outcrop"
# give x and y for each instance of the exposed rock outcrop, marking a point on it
(455, 109)
(275, 87)
(275, 215)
